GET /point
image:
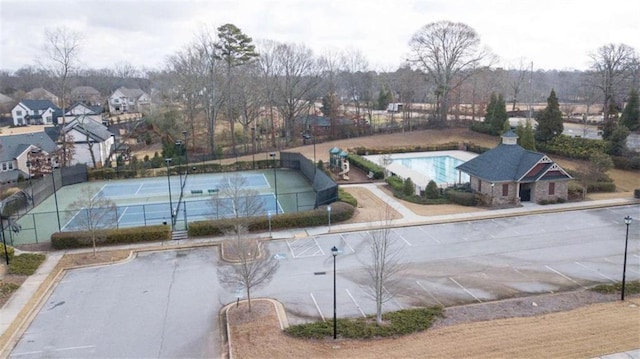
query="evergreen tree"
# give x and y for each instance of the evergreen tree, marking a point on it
(610, 123)
(432, 191)
(330, 105)
(618, 141)
(496, 113)
(631, 113)
(527, 138)
(409, 187)
(506, 126)
(384, 99)
(549, 120)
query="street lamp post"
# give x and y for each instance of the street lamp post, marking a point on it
(168, 160)
(253, 148)
(33, 202)
(4, 238)
(275, 178)
(334, 252)
(627, 221)
(269, 218)
(329, 216)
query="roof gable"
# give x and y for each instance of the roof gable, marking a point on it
(14, 145)
(38, 104)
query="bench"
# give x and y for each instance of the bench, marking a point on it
(213, 191)
(370, 175)
(196, 191)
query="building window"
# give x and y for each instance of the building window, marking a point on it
(479, 185)
(552, 189)
(4, 166)
(18, 113)
(10, 165)
(505, 190)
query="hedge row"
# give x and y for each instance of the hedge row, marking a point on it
(340, 212)
(78, 239)
(461, 198)
(450, 146)
(366, 165)
(344, 196)
(572, 147)
(597, 187)
(626, 163)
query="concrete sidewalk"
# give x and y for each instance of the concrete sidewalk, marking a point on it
(18, 302)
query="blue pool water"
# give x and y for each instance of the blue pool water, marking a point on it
(442, 169)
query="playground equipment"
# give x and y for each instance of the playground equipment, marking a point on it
(345, 170)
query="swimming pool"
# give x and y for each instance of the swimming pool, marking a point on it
(422, 167)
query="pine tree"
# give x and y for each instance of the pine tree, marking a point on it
(549, 120)
(496, 113)
(384, 99)
(527, 138)
(631, 113)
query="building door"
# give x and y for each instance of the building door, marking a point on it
(525, 192)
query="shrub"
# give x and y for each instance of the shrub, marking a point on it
(10, 252)
(26, 263)
(432, 191)
(395, 183)
(340, 212)
(398, 323)
(344, 196)
(409, 188)
(626, 163)
(461, 198)
(78, 239)
(598, 187)
(572, 147)
(366, 165)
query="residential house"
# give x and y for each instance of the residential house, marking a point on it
(88, 137)
(508, 174)
(37, 149)
(125, 100)
(78, 110)
(41, 94)
(86, 95)
(34, 112)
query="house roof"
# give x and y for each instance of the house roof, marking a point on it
(95, 110)
(507, 163)
(39, 93)
(96, 131)
(133, 93)
(38, 104)
(14, 145)
(85, 90)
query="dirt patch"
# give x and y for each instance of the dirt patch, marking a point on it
(582, 332)
(369, 206)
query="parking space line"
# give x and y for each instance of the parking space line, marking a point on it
(430, 236)
(356, 303)
(317, 307)
(564, 276)
(522, 274)
(431, 295)
(293, 255)
(344, 240)
(315, 240)
(597, 272)
(393, 298)
(401, 237)
(466, 290)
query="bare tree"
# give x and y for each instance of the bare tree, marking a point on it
(296, 75)
(93, 215)
(516, 80)
(612, 65)
(62, 48)
(384, 265)
(444, 51)
(253, 266)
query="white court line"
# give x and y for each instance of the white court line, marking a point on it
(401, 237)
(431, 295)
(465, 289)
(356, 303)
(317, 307)
(597, 272)
(430, 236)
(101, 188)
(122, 215)
(347, 243)
(564, 276)
(139, 188)
(72, 218)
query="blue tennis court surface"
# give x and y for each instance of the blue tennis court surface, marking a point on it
(158, 186)
(159, 213)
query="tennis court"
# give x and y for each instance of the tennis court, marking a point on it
(158, 213)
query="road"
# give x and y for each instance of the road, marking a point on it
(165, 304)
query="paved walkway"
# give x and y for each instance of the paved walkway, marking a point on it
(19, 300)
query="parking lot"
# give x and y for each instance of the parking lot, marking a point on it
(165, 304)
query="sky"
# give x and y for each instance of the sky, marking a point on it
(551, 34)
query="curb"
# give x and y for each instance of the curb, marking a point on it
(280, 312)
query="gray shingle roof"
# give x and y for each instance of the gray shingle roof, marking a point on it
(133, 93)
(39, 104)
(502, 163)
(14, 145)
(96, 131)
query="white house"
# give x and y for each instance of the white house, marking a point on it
(88, 136)
(128, 100)
(33, 112)
(80, 110)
